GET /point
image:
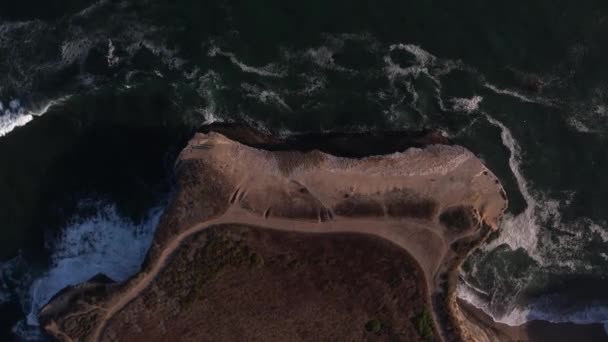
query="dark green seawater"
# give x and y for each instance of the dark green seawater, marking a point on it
(99, 97)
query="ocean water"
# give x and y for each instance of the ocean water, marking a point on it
(91, 122)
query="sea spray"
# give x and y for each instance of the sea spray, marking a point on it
(12, 116)
(15, 115)
(519, 231)
(541, 309)
(527, 232)
(104, 243)
(466, 105)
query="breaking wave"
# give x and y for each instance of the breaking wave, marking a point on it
(12, 117)
(539, 310)
(402, 79)
(519, 231)
(104, 243)
(15, 115)
(561, 253)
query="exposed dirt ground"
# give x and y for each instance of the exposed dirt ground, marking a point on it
(389, 235)
(236, 283)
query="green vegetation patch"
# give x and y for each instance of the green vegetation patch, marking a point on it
(191, 270)
(373, 326)
(256, 260)
(424, 324)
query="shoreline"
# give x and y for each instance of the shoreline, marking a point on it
(535, 330)
(435, 203)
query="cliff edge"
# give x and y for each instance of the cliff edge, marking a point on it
(271, 239)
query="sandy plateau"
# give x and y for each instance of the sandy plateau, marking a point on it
(287, 245)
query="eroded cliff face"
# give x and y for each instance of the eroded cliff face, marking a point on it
(433, 205)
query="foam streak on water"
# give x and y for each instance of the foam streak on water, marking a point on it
(422, 57)
(265, 96)
(394, 71)
(266, 71)
(519, 96)
(519, 231)
(427, 65)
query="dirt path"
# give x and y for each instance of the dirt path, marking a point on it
(418, 239)
(400, 197)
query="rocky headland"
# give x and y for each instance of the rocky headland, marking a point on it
(316, 237)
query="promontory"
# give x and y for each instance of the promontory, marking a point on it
(342, 237)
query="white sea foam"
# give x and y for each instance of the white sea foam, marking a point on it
(590, 116)
(75, 50)
(423, 60)
(265, 96)
(422, 56)
(513, 317)
(467, 105)
(10, 121)
(111, 58)
(105, 243)
(540, 310)
(92, 8)
(208, 84)
(322, 56)
(519, 96)
(601, 110)
(14, 115)
(266, 71)
(139, 36)
(394, 71)
(600, 231)
(313, 84)
(578, 125)
(560, 252)
(424, 64)
(519, 231)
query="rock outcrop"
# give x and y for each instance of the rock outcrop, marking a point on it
(267, 242)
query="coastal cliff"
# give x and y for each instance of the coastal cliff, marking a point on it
(300, 238)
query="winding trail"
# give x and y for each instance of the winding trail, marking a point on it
(399, 197)
(419, 239)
